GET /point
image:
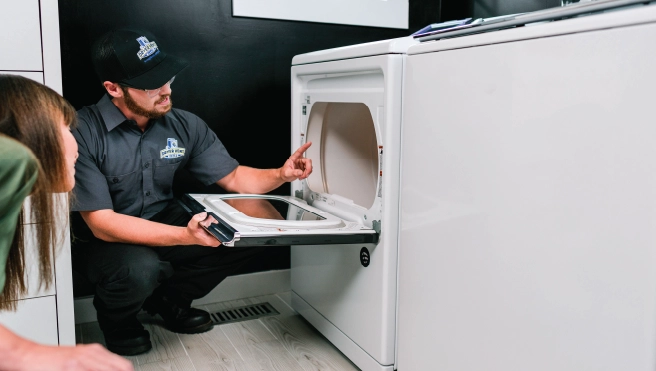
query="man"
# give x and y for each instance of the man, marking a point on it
(143, 249)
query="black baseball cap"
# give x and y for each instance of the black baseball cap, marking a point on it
(134, 58)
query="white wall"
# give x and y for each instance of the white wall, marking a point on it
(376, 13)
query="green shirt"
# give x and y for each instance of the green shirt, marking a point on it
(18, 172)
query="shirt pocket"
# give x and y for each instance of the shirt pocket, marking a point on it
(163, 179)
(124, 190)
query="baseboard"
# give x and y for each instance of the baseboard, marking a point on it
(249, 285)
(232, 288)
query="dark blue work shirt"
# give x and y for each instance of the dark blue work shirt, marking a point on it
(131, 172)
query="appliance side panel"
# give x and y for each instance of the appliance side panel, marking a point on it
(404, 67)
(528, 207)
(391, 127)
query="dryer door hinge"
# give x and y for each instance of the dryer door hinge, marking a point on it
(376, 225)
(298, 194)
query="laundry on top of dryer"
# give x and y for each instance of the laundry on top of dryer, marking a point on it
(431, 28)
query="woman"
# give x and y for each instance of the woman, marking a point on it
(37, 158)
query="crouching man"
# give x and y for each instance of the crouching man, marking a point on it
(141, 249)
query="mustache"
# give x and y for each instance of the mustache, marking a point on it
(162, 99)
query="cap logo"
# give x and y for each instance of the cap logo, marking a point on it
(172, 150)
(147, 48)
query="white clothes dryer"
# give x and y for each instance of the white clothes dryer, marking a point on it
(343, 221)
(347, 102)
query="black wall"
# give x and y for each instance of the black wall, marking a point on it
(493, 8)
(239, 77)
(457, 9)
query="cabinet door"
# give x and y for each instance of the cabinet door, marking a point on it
(20, 36)
(35, 319)
(32, 266)
(36, 76)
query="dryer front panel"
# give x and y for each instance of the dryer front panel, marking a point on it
(351, 112)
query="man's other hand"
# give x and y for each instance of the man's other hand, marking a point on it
(297, 166)
(197, 235)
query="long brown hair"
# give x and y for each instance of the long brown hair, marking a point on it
(31, 113)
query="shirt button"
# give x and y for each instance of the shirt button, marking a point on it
(115, 180)
(147, 164)
(148, 193)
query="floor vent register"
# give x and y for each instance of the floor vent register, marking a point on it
(244, 313)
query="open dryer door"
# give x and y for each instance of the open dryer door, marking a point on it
(258, 220)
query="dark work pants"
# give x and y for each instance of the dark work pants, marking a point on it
(124, 275)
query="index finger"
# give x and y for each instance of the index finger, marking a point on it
(299, 152)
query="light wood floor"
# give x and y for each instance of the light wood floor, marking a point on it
(285, 342)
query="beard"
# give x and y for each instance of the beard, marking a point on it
(152, 114)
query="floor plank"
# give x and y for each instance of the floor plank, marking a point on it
(246, 333)
(211, 350)
(282, 342)
(269, 356)
(306, 345)
(172, 364)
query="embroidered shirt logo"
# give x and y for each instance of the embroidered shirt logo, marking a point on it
(147, 48)
(172, 150)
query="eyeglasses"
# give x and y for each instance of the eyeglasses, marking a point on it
(153, 92)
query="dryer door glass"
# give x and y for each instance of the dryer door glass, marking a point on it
(257, 220)
(270, 209)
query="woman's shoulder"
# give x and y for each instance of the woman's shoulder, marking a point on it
(11, 149)
(16, 158)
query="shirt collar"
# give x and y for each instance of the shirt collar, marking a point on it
(111, 115)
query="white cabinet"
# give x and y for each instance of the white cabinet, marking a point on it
(29, 40)
(34, 319)
(20, 36)
(29, 46)
(45, 315)
(32, 267)
(36, 76)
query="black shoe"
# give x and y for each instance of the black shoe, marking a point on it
(128, 341)
(178, 319)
